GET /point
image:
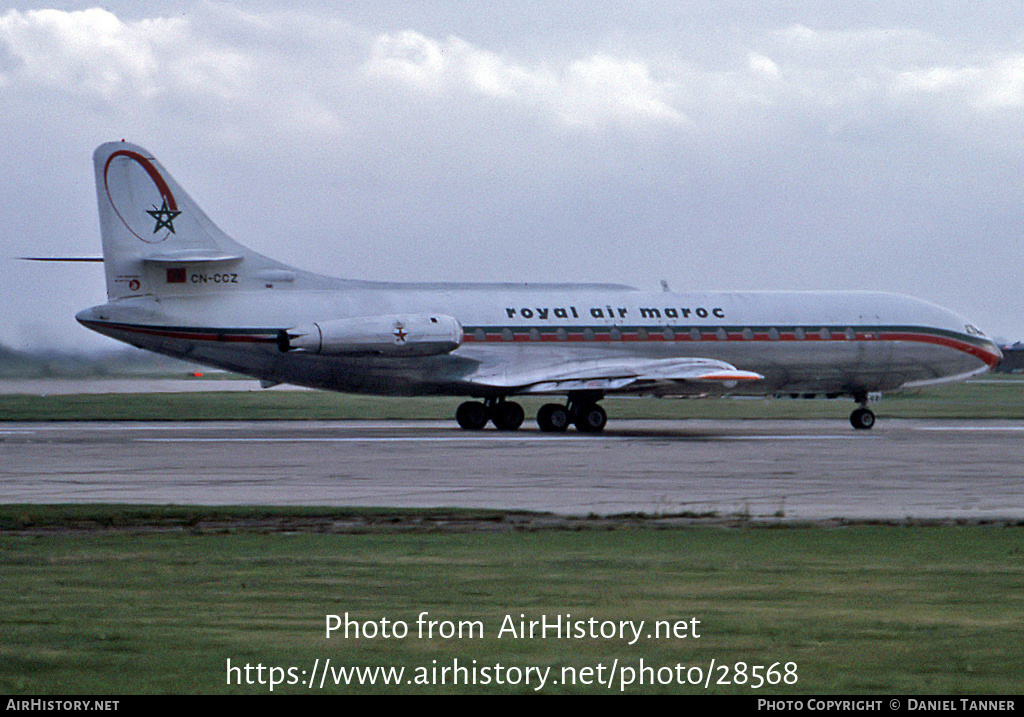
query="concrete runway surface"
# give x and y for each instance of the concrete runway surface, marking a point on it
(793, 469)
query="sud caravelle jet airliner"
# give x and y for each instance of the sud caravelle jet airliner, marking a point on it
(179, 286)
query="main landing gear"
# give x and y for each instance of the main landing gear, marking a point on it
(506, 415)
(582, 411)
(862, 418)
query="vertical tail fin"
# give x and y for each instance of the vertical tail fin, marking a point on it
(155, 236)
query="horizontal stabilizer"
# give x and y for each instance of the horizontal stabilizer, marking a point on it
(191, 256)
(97, 259)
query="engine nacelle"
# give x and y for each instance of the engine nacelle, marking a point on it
(393, 335)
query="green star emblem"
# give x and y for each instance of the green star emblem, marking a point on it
(164, 217)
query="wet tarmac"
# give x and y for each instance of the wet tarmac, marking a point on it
(796, 470)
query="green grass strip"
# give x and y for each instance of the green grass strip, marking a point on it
(859, 609)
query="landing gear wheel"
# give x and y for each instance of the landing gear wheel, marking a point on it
(590, 419)
(862, 419)
(553, 418)
(472, 415)
(508, 416)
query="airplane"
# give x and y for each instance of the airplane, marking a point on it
(179, 286)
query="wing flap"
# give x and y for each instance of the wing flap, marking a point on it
(665, 377)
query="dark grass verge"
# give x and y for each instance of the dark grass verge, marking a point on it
(42, 519)
(992, 399)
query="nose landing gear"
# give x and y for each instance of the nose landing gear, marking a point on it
(862, 418)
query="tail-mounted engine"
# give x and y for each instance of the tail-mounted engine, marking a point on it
(392, 335)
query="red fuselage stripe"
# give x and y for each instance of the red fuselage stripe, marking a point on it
(190, 334)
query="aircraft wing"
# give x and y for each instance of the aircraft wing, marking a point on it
(662, 377)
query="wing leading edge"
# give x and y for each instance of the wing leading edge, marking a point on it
(660, 377)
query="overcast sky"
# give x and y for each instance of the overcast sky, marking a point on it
(803, 145)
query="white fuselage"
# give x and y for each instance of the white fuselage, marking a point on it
(801, 342)
(178, 285)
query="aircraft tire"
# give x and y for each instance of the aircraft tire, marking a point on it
(862, 419)
(591, 419)
(472, 415)
(508, 416)
(553, 418)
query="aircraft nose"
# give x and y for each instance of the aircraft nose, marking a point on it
(981, 346)
(995, 352)
(986, 350)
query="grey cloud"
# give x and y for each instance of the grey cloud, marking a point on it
(708, 145)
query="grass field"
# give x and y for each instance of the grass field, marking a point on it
(994, 398)
(157, 599)
(858, 609)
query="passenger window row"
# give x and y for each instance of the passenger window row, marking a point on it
(669, 334)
